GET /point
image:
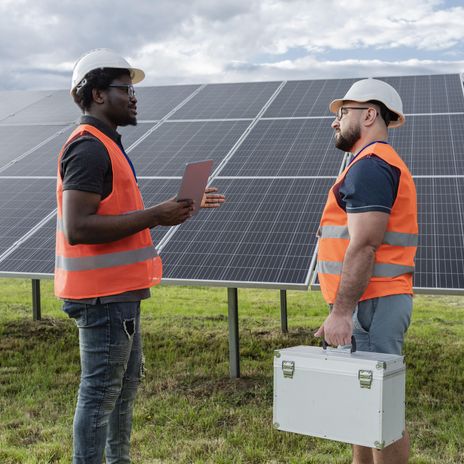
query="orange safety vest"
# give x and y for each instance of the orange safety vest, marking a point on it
(394, 259)
(131, 263)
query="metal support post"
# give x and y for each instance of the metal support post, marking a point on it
(234, 352)
(283, 311)
(36, 308)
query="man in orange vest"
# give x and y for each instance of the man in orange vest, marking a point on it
(368, 237)
(105, 258)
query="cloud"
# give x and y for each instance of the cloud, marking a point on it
(210, 41)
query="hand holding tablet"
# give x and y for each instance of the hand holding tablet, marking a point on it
(193, 186)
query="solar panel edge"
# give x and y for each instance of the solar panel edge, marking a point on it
(235, 284)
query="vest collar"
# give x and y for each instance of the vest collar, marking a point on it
(363, 148)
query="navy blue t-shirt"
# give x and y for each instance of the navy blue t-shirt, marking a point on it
(371, 184)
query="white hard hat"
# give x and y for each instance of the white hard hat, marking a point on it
(102, 58)
(373, 89)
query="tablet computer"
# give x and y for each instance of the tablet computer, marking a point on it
(194, 182)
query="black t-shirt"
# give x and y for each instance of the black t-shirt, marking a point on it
(371, 184)
(86, 166)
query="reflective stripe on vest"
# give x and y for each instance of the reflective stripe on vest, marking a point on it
(111, 268)
(380, 269)
(390, 238)
(88, 263)
(394, 259)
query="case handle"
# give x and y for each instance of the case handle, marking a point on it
(352, 347)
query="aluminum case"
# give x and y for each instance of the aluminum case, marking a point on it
(356, 398)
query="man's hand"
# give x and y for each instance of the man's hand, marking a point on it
(211, 199)
(336, 329)
(173, 212)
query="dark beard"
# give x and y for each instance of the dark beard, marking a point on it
(129, 121)
(347, 142)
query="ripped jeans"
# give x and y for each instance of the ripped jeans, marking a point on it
(111, 369)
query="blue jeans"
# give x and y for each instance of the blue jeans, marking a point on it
(111, 369)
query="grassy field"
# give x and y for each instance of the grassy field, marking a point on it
(188, 410)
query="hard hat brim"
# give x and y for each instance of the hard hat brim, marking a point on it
(336, 104)
(137, 75)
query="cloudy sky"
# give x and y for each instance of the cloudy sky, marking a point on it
(199, 41)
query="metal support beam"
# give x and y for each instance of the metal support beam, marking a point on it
(283, 311)
(36, 307)
(234, 351)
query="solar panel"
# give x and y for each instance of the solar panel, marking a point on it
(301, 147)
(23, 204)
(43, 161)
(429, 94)
(130, 134)
(420, 94)
(264, 235)
(13, 101)
(55, 108)
(155, 191)
(36, 255)
(440, 254)
(154, 103)
(276, 176)
(227, 101)
(166, 150)
(17, 140)
(431, 144)
(307, 98)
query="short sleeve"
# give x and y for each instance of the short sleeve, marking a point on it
(85, 166)
(371, 184)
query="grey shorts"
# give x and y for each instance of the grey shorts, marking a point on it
(379, 324)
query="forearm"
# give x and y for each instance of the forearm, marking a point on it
(356, 272)
(97, 228)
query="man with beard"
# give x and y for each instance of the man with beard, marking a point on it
(368, 237)
(105, 258)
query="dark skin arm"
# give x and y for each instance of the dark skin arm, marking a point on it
(366, 235)
(83, 225)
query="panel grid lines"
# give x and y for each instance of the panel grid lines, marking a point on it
(272, 145)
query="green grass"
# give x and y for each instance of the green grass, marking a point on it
(188, 410)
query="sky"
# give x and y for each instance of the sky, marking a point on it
(204, 41)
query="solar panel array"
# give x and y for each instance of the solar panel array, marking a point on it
(274, 159)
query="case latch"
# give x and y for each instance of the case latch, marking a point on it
(288, 368)
(365, 378)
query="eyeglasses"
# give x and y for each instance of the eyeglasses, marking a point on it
(344, 110)
(129, 88)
